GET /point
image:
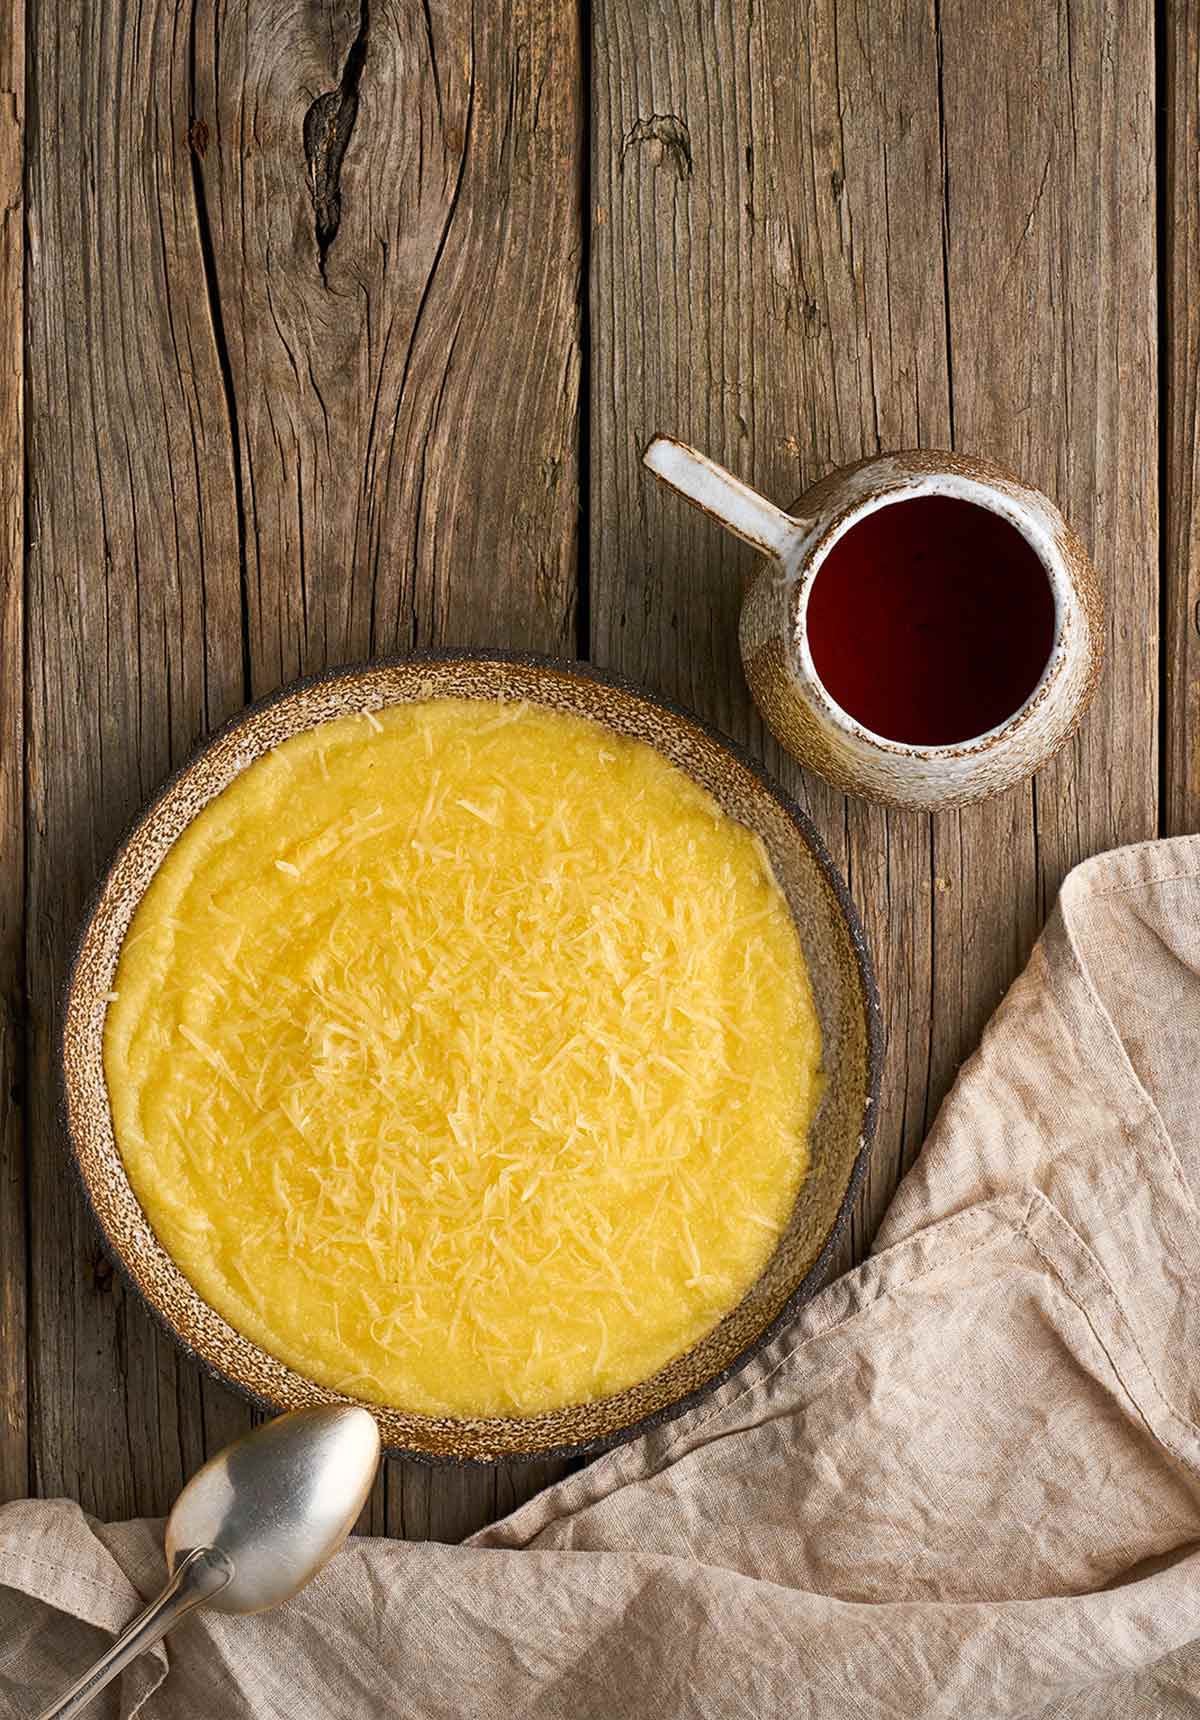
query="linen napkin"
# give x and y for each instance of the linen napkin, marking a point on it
(965, 1482)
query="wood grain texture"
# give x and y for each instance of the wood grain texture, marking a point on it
(1180, 212)
(134, 626)
(305, 309)
(14, 1436)
(403, 353)
(823, 230)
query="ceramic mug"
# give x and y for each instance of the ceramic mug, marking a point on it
(774, 630)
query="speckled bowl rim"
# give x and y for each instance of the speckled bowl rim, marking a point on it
(817, 1274)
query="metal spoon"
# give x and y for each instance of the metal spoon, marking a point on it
(252, 1527)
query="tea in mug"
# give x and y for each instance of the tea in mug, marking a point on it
(931, 620)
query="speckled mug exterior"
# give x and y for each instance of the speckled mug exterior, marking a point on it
(774, 640)
(843, 987)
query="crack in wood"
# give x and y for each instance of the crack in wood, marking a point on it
(328, 125)
(196, 131)
(939, 50)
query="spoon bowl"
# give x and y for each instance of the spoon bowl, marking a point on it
(278, 1503)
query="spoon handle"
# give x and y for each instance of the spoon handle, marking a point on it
(202, 1574)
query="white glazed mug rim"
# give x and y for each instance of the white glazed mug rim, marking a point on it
(803, 565)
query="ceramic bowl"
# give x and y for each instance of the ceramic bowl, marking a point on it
(833, 945)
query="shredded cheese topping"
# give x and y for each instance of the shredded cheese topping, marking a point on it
(462, 1055)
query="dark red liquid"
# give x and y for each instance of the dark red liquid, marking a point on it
(931, 621)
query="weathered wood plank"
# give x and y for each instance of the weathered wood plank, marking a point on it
(402, 329)
(306, 356)
(399, 313)
(1180, 50)
(822, 230)
(14, 1432)
(133, 650)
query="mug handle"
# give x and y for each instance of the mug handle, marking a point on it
(718, 493)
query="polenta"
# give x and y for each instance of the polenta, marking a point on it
(462, 1054)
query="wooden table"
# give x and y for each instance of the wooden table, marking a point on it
(342, 330)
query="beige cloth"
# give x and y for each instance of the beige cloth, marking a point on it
(965, 1482)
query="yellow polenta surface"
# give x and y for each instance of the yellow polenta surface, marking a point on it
(463, 1056)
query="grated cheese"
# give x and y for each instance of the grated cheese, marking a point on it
(463, 1056)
